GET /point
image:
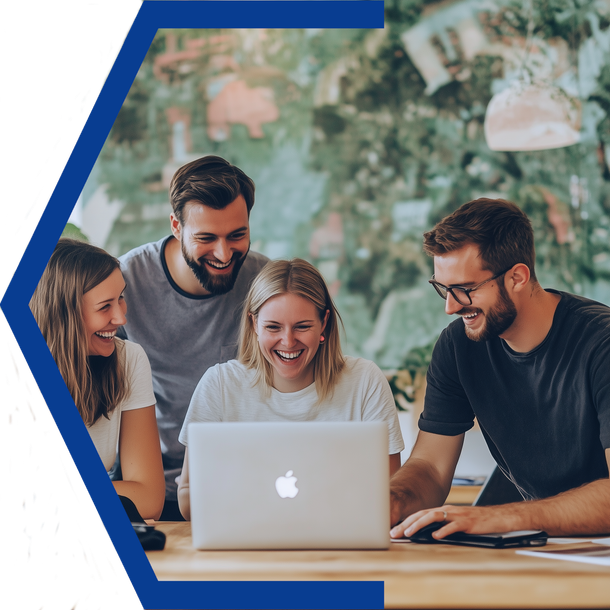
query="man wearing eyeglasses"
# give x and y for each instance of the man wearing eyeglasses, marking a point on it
(532, 364)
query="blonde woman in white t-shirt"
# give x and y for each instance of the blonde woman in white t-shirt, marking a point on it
(79, 306)
(290, 366)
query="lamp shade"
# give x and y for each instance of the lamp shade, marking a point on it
(532, 117)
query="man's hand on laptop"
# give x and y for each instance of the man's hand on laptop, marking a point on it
(469, 519)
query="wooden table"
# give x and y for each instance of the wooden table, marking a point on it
(415, 576)
(463, 495)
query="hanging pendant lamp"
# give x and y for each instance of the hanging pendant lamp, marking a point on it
(532, 116)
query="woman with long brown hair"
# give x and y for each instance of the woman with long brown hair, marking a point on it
(79, 306)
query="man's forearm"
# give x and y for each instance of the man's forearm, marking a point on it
(584, 510)
(580, 511)
(415, 486)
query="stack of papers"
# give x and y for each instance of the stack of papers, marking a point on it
(591, 551)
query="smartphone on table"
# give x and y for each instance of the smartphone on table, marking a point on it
(497, 541)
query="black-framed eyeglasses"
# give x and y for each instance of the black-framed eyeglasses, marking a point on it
(460, 293)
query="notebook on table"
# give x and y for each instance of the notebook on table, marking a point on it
(306, 485)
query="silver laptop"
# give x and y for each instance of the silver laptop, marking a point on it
(308, 485)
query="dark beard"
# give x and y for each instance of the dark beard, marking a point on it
(215, 285)
(497, 320)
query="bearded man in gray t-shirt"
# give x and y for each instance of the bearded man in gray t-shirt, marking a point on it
(185, 292)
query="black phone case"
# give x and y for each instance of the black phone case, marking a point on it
(485, 540)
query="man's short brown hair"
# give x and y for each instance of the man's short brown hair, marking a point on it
(211, 181)
(500, 229)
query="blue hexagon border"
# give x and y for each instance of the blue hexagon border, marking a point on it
(152, 15)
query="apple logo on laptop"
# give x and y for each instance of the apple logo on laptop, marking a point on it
(286, 487)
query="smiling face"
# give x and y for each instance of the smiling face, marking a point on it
(289, 330)
(492, 312)
(214, 243)
(104, 311)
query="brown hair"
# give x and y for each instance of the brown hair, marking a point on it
(500, 229)
(210, 181)
(97, 384)
(299, 277)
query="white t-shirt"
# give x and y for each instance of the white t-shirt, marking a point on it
(105, 432)
(226, 392)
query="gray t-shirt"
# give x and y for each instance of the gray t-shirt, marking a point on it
(182, 334)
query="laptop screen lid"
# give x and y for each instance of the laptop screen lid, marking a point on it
(306, 485)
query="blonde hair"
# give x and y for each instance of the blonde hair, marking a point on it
(300, 278)
(97, 384)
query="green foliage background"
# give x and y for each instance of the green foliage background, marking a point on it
(383, 143)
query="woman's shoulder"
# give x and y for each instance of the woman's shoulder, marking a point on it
(135, 361)
(223, 380)
(360, 374)
(137, 370)
(361, 366)
(129, 346)
(133, 351)
(232, 371)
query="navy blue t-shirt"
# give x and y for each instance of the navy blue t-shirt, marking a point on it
(545, 414)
